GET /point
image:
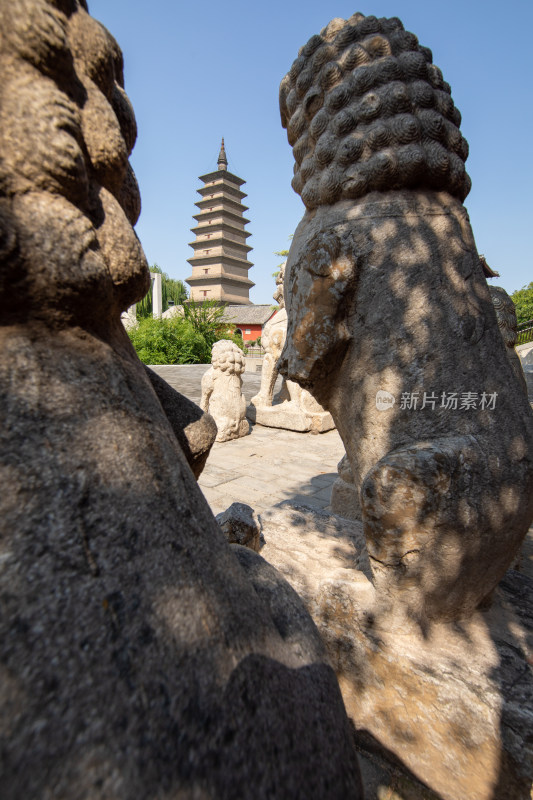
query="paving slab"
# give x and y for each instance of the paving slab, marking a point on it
(267, 466)
(186, 378)
(270, 465)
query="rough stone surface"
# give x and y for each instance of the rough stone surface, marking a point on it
(129, 318)
(194, 429)
(240, 525)
(294, 408)
(367, 110)
(344, 498)
(387, 304)
(345, 503)
(528, 374)
(507, 323)
(450, 703)
(136, 657)
(173, 311)
(525, 354)
(222, 391)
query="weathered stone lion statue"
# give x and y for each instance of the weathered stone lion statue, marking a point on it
(293, 408)
(222, 391)
(140, 656)
(390, 321)
(272, 340)
(507, 323)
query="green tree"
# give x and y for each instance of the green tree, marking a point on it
(171, 289)
(523, 300)
(282, 254)
(207, 318)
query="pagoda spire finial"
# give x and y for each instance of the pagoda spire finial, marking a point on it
(222, 158)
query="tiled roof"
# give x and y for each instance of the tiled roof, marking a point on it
(248, 315)
(240, 315)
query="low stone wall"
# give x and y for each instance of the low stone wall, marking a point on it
(253, 363)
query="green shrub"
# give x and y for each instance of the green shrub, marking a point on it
(235, 337)
(206, 318)
(169, 341)
(183, 340)
(177, 340)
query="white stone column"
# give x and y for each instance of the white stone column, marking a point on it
(157, 295)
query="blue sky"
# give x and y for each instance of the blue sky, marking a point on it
(196, 73)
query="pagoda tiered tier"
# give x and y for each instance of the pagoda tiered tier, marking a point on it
(220, 262)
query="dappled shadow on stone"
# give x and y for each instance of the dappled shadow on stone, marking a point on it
(137, 660)
(127, 622)
(450, 700)
(383, 772)
(445, 491)
(392, 329)
(460, 475)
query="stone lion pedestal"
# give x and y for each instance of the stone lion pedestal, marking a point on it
(451, 703)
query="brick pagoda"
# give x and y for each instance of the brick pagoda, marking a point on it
(220, 262)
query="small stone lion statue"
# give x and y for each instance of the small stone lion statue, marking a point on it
(222, 391)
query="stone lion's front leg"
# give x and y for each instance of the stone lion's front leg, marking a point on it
(429, 521)
(269, 376)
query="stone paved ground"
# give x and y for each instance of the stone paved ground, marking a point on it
(271, 465)
(186, 378)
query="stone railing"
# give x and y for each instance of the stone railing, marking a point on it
(255, 352)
